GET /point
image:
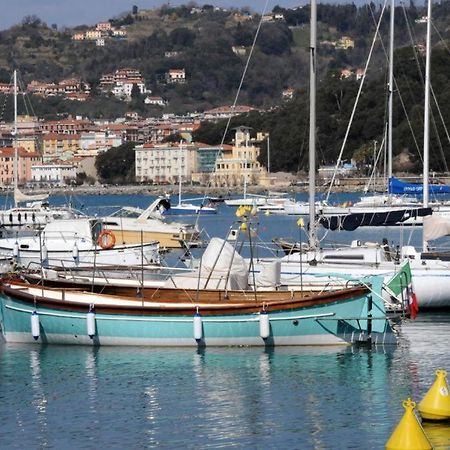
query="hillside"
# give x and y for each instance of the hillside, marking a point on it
(202, 43)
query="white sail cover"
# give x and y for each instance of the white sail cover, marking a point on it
(221, 268)
(20, 197)
(435, 226)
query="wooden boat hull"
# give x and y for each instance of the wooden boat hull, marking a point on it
(327, 319)
(165, 239)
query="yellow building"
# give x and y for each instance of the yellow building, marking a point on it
(54, 144)
(240, 164)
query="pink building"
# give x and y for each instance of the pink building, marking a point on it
(25, 161)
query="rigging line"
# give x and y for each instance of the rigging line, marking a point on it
(361, 84)
(244, 73)
(397, 88)
(416, 58)
(375, 163)
(400, 95)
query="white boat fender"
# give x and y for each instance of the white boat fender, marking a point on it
(16, 250)
(35, 325)
(198, 326)
(44, 253)
(90, 322)
(264, 324)
(75, 252)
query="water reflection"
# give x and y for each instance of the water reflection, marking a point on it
(39, 398)
(438, 434)
(92, 381)
(288, 397)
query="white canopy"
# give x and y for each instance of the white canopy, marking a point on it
(435, 226)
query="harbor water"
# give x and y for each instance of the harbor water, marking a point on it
(345, 397)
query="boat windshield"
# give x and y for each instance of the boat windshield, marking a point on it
(128, 212)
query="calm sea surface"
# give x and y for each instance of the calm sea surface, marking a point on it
(284, 398)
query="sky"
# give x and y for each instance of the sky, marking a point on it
(87, 12)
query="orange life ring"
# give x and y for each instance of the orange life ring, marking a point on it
(106, 239)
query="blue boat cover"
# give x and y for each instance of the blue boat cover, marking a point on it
(400, 187)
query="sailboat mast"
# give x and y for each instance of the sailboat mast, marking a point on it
(16, 156)
(391, 88)
(426, 120)
(426, 117)
(179, 173)
(312, 127)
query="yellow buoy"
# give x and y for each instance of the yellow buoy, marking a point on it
(436, 403)
(244, 227)
(300, 222)
(409, 434)
(267, 213)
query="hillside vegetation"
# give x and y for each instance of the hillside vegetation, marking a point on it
(204, 42)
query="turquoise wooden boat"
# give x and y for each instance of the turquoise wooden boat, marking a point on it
(179, 317)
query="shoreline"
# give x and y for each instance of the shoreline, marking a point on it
(173, 190)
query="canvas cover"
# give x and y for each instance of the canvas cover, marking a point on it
(221, 268)
(435, 226)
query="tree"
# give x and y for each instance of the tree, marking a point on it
(182, 37)
(134, 10)
(135, 91)
(117, 165)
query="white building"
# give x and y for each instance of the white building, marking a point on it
(165, 163)
(123, 89)
(93, 142)
(55, 174)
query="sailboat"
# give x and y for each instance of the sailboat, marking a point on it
(388, 209)
(429, 269)
(36, 212)
(183, 208)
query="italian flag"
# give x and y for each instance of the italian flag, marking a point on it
(400, 286)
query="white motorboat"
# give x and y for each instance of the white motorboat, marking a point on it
(77, 243)
(133, 226)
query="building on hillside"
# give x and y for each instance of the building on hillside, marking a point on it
(345, 42)
(64, 88)
(164, 163)
(66, 126)
(121, 82)
(155, 101)
(226, 112)
(359, 74)
(103, 26)
(95, 142)
(78, 36)
(287, 94)
(24, 163)
(239, 50)
(6, 88)
(176, 76)
(119, 33)
(171, 54)
(127, 132)
(93, 35)
(241, 164)
(54, 174)
(55, 145)
(29, 142)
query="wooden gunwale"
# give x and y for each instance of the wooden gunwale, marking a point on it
(209, 303)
